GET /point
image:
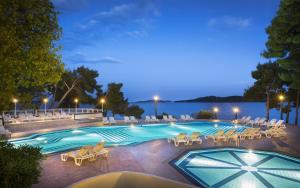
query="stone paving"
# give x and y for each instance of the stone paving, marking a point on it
(150, 157)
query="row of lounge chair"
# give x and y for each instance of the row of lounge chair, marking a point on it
(27, 117)
(90, 153)
(186, 139)
(261, 122)
(148, 119)
(230, 135)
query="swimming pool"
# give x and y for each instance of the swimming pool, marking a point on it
(57, 141)
(238, 168)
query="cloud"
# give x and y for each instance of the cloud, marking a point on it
(79, 58)
(229, 22)
(120, 17)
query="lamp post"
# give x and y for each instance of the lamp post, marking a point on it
(236, 110)
(215, 110)
(102, 101)
(281, 99)
(45, 100)
(76, 102)
(156, 99)
(15, 101)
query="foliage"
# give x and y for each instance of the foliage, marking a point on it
(80, 83)
(28, 55)
(266, 86)
(115, 99)
(20, 167)
(205, 115)
(160, 116)
(135, 111)
(283, 44)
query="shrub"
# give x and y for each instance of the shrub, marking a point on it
(205, 115)
(20, 167)
(135, 111)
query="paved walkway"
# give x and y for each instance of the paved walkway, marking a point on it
(150, 157)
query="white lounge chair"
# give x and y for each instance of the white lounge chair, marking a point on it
(165, 118)
(246, 120)
(154, 119)
(254, 122)
(105, 120)
(180, 138)
(133, 120)
(148, 119)
(183, 118)
(271, 123)
(171, 118)
(195, 137)
(188, 117)
(112, 120)
(280, 124)
(126, 119)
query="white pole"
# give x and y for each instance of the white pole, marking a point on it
(45, 108)
(15, 109)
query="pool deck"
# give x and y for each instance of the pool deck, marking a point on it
(152, 158)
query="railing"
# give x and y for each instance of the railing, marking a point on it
(53, 111)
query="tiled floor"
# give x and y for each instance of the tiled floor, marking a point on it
(150, 157)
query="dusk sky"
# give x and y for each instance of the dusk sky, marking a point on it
(175, 49)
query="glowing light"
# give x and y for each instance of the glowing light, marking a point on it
(45, 142)
(102, 101)
(77, 131)
(250, 151)
(172, 123)
(76, 100)
(216, 125)
(281, 97)
(235, 126)
(249, 168)
(45, 100)
(216, 110)
(132, 125)
(40, 138)
(156, 98)
(236, 110)
(15, 100)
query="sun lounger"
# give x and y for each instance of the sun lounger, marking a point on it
(188, 117)
(99, 151)
(261, 121)
(112, 120)
(183, 117)
(171, 118)
(154, 119)
(105, 120)
(254, 122)
(274, 132)
(132, 119)
(180, 138)
(195, 137)
(213, 136)
(126, 119)
(148, 119)
(225, 136)
(78, 156)
(270, 123)
(165, 118)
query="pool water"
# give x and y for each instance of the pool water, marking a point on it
(63, 140)
(236, 168)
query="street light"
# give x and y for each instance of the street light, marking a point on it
(156, 99)
(102, 101)
(236, 110)
(76, 102)
(215, 110)
(45, 100)
(15, 101)
(281, 99)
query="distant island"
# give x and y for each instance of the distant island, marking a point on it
(219, 99)
(208, 99)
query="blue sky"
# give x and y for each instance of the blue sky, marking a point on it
(176, 49)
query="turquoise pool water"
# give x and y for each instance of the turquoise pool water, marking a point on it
(237, 168)
(58, 141)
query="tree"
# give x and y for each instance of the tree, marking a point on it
(135, 111)
(283, 44)
(266, 86)
(115, 99)
(80, 83)
(20, 166)
(28, 54)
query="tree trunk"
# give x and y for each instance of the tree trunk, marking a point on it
(287, 118)
(65, 95)
(297, 107)
(268, 106)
